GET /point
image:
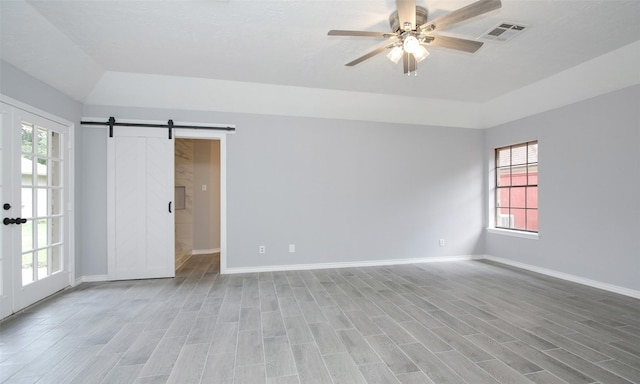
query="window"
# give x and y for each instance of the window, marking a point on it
(516, 198)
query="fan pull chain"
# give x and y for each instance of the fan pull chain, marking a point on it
(415, 72)
(408, 62)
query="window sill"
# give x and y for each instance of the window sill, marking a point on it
(513, 233)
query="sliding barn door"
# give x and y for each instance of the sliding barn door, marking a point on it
(140, 198)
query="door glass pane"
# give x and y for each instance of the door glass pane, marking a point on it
(43, 263)
(27, 235)
(43, 203)
(42, 233)
(27, 203)
(27, 138)
(26, 167)
(43, 142)
(42, 171)
(27, 268)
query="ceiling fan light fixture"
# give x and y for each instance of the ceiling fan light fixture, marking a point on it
(410, 29)
(411, 44)
(420, 54)
(395, 54)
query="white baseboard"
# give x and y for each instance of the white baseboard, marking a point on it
(93, 278)
(566, 276)
(205, 251)
(349, 264)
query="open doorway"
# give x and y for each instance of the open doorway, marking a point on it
(197, 205)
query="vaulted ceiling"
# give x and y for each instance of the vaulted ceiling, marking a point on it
(73, 45)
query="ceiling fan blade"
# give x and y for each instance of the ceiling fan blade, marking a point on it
(470, 11)
(455, 43)
(409, 63)
(406, 13)
(368, 55)
(339, 32)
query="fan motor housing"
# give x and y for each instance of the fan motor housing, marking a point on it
(421, 18)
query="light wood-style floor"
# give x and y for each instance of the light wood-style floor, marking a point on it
(460, 322)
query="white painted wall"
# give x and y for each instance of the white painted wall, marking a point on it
(589, 192)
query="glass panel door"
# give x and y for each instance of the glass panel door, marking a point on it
(41, 197)
(35, 228)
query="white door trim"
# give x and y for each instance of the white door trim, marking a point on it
(27, 108)
(186, 133)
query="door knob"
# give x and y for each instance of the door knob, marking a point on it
(6, 206)
(18, 221)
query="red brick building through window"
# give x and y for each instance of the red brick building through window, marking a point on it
(517, 187)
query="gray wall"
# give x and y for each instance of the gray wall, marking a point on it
(355, 191)
(19, 86)
(346, 191)
(589, 192)
(340, 190)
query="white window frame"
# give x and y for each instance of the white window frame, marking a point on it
(491, 203)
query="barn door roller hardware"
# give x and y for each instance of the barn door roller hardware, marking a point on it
(170, 125)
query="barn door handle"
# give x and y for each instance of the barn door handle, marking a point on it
(169, 207)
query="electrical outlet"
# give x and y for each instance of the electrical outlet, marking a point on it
(292, 248)
(204, 187)
(441, 242)
(262, 249)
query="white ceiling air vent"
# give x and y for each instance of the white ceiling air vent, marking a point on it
(503, 32)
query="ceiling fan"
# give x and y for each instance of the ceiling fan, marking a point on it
(410, 32)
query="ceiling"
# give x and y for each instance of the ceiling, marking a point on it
(71, 45)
